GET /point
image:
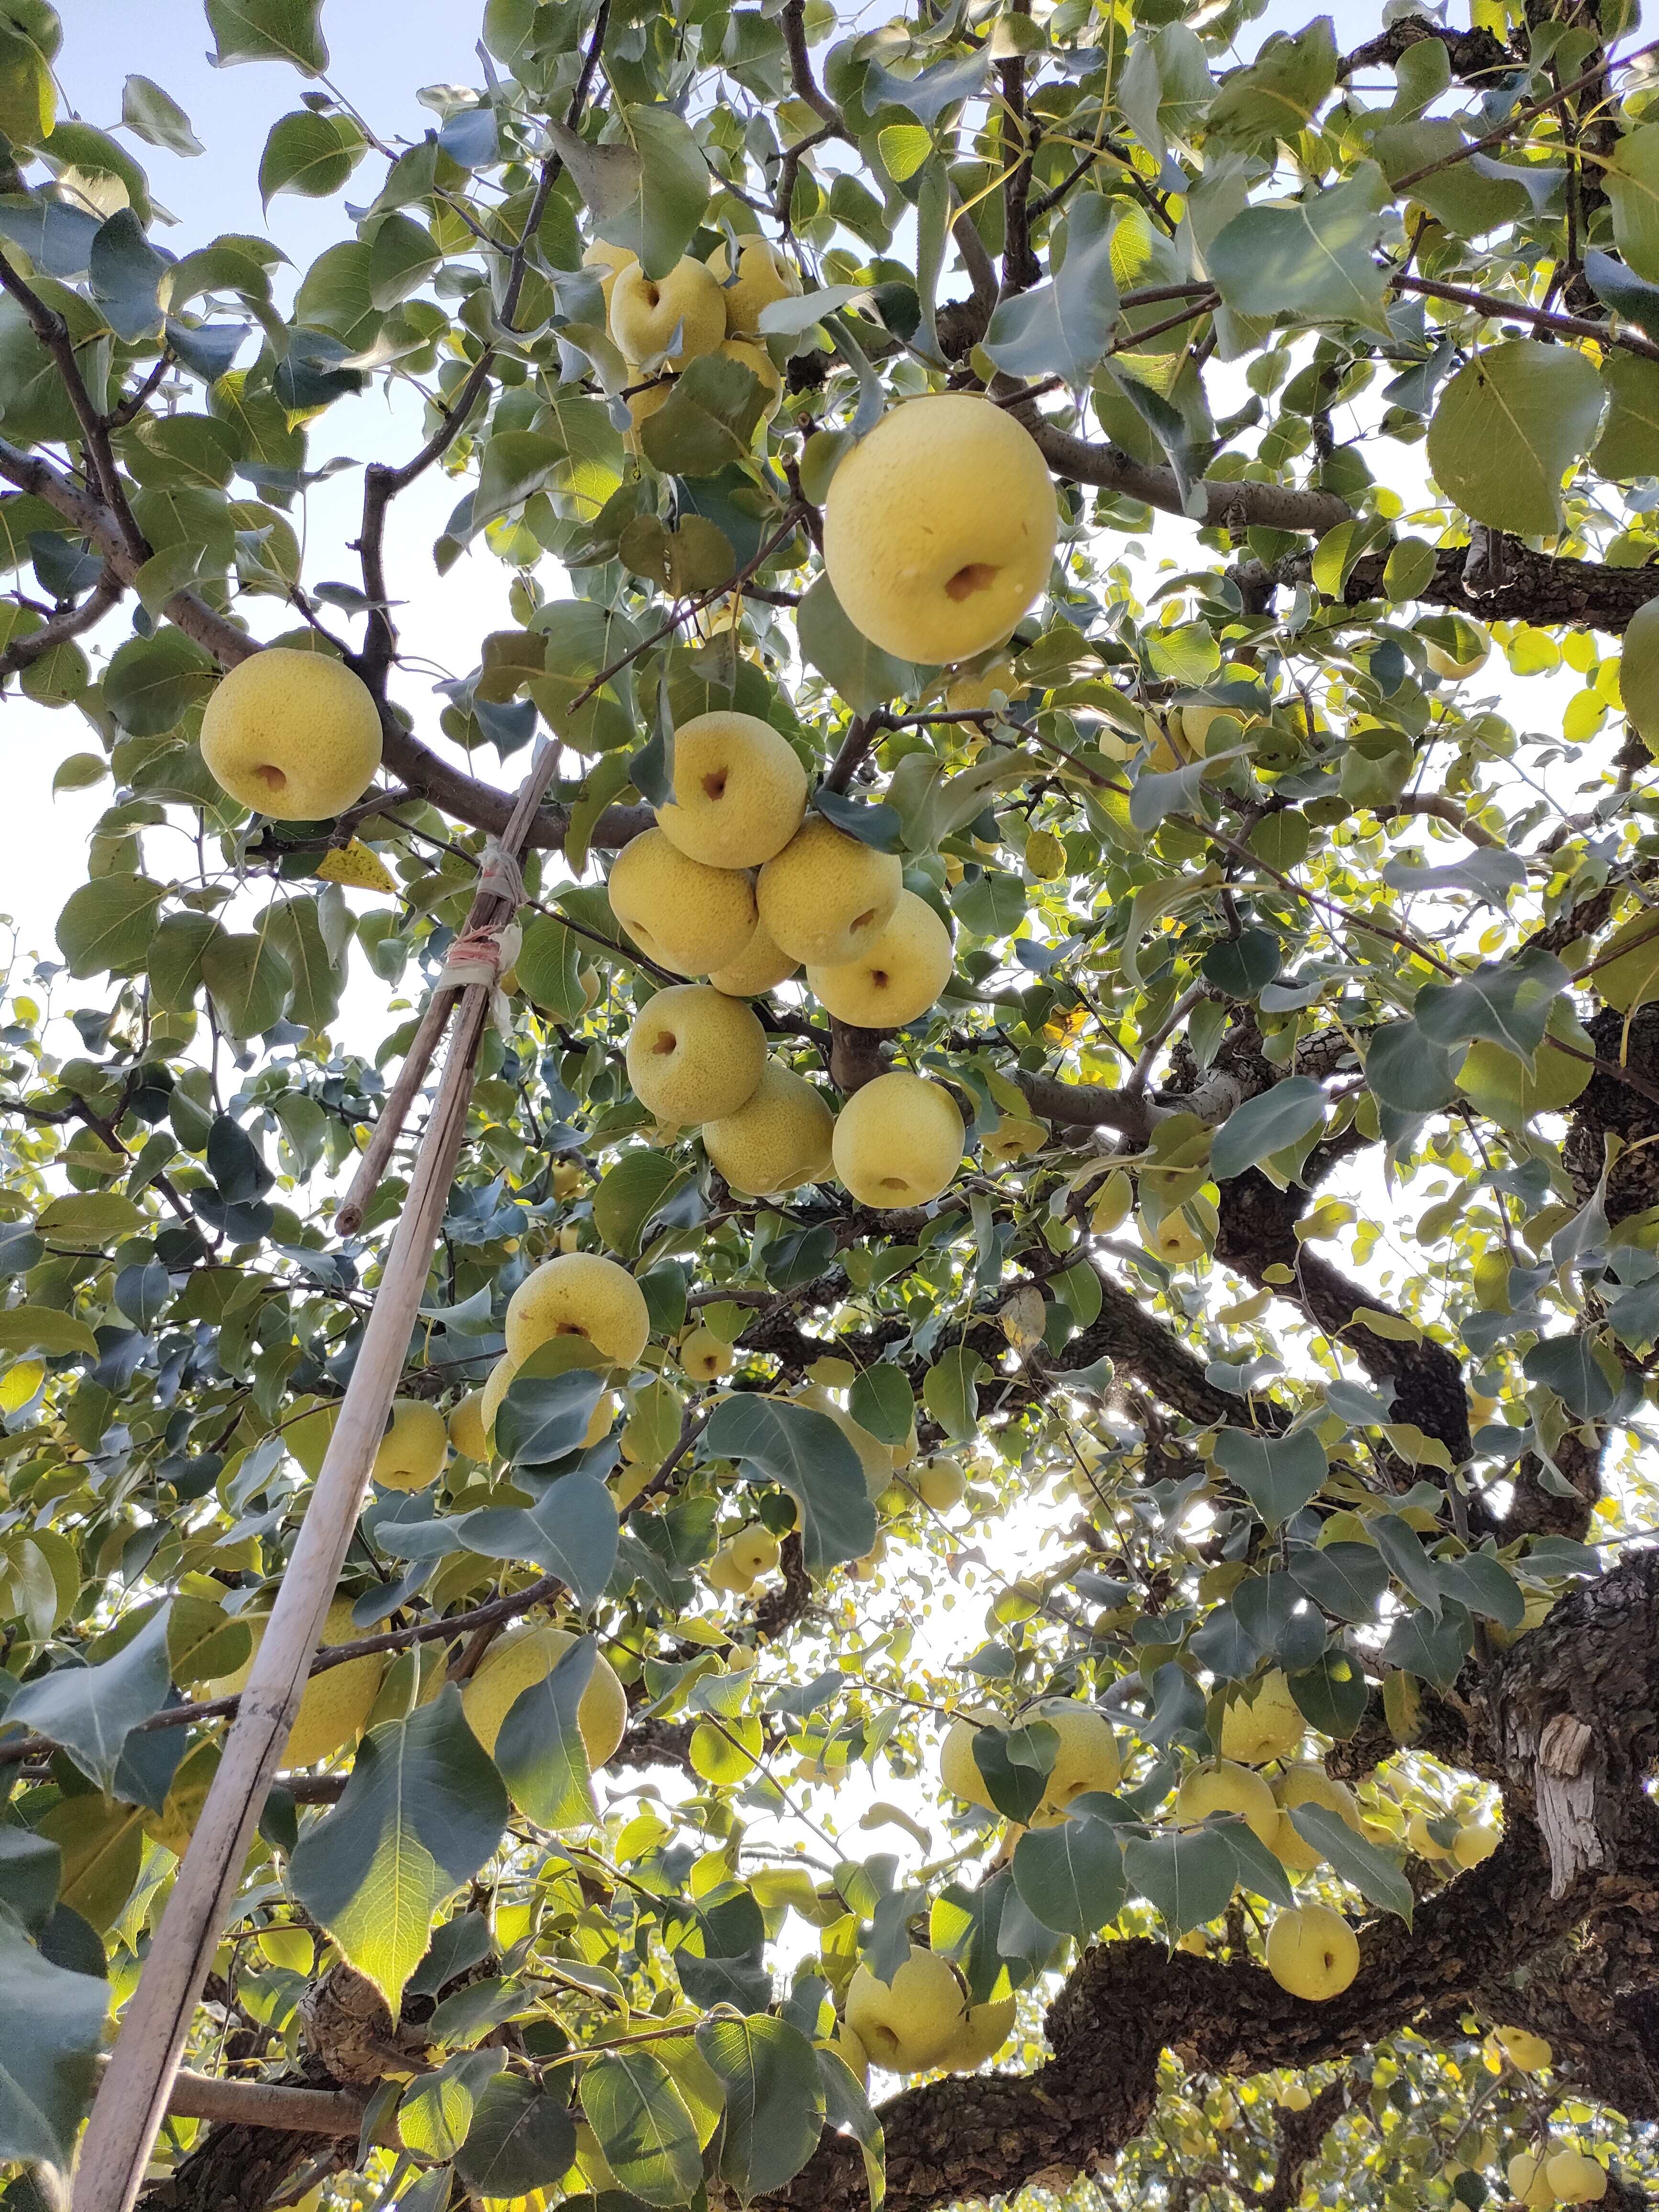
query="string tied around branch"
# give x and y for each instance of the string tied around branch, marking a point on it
(485, 953)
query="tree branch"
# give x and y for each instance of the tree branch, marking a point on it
(68, 622)
(1237, 505)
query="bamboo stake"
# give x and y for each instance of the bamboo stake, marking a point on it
(133, 2098)
(135, 2093)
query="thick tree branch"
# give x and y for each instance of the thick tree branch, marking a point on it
(1237, 505)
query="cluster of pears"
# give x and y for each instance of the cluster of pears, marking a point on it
(921, 2020)
(1558, 2174)
(660, 324)
(738, 884)
(292, 734)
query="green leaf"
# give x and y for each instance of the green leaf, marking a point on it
(269, 30)
(1281, 92)
(1568, 1366)
(1347, 1580)
(644, 2126)
(1508, 426)
(125, 270)
(108, 924)
(1063, 327)
(803, 1451)
(632, 1194)
(28, 98)
(1265, 1124)
(1188, 1875)
(774, 2105)
(403, 256)
(1631, 179)
(1508, 1002)
(437, 2110)
(52, 2024)
(542, 1417)
(249, 981)
(950, 1394)
(1372, 1872)
(152, 683)
(157, 118)
(540, 1751)
(90, 1711)
(864, 676)
(1406, 1071)
(1314, 260)
(880, 1400)
(521, 2139)
(1277, 1475)
(309, 155)
(1630, 430)
(654, 204)
(1070, 1875)
(89, 1221)
(422, 1810)
(43, 1328)
(570, 1531)
(846, 2109)
(294, 928)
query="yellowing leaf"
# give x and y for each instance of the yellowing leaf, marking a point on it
(357, 867)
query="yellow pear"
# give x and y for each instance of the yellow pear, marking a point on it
(527, 1654)
(874, 1457)
(1308, 1786)
(1086, 1758)
(412, 1452)
(694, 1055)
(645, 397)
(754, 1550)
(966, 692)
(466, 1427)
(941, 1484)
(826, 896)
(1574, 2178)
(780, 1137)
(1295, 2097)
(494, 1391)
(757, 968)
(1638, 673)
(334, 1705)
(897, 978)
(752, 353)
(765, 273)
(1312, 1951)
(725, 1575)
(1474, 1841)
(1226, 1787)
(181, 1808)
(293, 735)
(1529, 2181)
(985, 2028)
(1419, 1839)
(849, 2049)
(705, 1356)
(608, 259)
(1474, 644)
(940, 527)
(680, 913)
(579, 1294)
(907, 2026)
(958, 1769)
(1173, 1240)
(1527, 2053)
(898, 1141)
(683, 311)
(1267, 1726)
(739, 792)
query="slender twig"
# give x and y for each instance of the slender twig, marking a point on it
(53, 333)
(1519, 311)
(1526, 110)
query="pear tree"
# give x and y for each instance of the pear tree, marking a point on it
(842, 1391)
